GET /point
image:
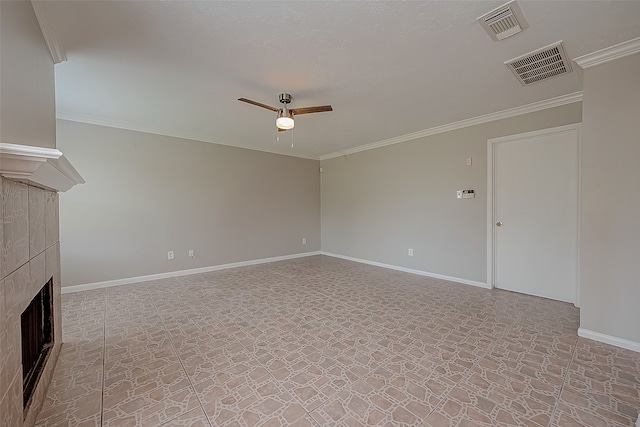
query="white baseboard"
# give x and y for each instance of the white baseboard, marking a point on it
(410, 270)
(608, 339)
(138, 279)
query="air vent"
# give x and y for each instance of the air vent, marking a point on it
(504, 21)
(541, 64)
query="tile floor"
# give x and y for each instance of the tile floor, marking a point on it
(320, 341)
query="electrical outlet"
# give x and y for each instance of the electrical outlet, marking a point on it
(191, 253)
(410, 252)
(469, 161)
(304, 240)
(170, 255)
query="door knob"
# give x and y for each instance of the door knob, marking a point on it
(499, 223)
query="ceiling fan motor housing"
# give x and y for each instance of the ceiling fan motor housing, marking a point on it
(285, 98)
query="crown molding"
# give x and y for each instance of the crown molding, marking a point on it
(512, 112)
(80, 118)
(57, 52)
(609, 54)
(44, 167)
(504, 114)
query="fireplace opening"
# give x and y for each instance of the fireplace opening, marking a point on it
(37, 338)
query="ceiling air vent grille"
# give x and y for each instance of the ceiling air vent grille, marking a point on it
(541, 64)
(504, 21)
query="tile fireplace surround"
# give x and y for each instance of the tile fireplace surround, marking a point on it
(29, 241)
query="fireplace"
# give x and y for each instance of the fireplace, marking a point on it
(37, 338)
(30, 266)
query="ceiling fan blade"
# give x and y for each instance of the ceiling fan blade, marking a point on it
(282, 130)
(259, 104)
(307, 110)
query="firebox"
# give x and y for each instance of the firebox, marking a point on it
(37, 338)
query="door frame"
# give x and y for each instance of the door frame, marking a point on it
(491, 230)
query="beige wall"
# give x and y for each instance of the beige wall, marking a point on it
(610, 233)
(147, 194)
(27, 91)
(378, 203)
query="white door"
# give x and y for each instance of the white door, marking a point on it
(535, 213)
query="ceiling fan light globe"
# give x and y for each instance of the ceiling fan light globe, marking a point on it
(285, 119)
(284, 123)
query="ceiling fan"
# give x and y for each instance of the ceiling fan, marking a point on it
(284, 119)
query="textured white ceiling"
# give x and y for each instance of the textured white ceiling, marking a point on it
(387, 68)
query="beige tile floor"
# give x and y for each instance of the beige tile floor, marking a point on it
(321, 341)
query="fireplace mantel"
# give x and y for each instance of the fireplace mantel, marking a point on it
(39, 166)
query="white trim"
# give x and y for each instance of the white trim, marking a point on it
(504, 114)
(491, 199)
(537, 133)
(499, 115)
(57, 174)
(21, 161)
(45, 167)
(490, 216)
(578, 300)
(7, 149)
(57, 52)
(81, 118)
(608, 339)
(609, 54)
(138, 279)
(408, 270)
